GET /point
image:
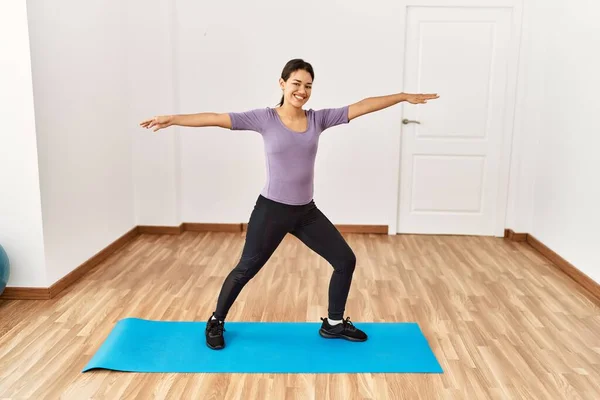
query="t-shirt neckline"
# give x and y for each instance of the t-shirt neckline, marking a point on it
(291, 130)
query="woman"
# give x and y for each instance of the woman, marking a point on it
(286, 205)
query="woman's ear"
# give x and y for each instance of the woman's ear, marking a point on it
(281, 83)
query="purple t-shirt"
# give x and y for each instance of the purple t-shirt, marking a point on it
(290, 156)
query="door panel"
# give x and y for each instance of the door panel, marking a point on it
(451, 157)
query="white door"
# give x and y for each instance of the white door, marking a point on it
(454, 165)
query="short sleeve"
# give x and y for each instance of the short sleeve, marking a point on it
(253, 120)
(330, 117)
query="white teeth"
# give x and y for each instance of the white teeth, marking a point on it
(298, 97)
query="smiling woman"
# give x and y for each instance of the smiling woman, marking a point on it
(285, 205)
(296, 82)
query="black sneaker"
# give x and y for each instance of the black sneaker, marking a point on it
(214, 334)
(345, 330)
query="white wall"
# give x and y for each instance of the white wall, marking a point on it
(228, 57)
(79, 59)
(567, 188)
(152, 91)
(558, 191)
(97, 166)
(20, 207)
(530, 89)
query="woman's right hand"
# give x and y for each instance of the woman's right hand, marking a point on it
(160, 122)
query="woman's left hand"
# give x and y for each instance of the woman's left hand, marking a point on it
(420, 98)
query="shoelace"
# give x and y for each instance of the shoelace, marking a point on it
(348, 324)
(217, 329)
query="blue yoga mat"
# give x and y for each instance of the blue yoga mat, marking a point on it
(138, 345)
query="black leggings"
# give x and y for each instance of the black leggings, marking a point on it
(269, 223)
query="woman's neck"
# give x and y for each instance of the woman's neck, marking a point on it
(291, 111)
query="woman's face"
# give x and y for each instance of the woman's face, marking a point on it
(296, 90)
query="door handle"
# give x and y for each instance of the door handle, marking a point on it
(408, 121)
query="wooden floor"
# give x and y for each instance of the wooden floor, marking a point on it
(503, 322)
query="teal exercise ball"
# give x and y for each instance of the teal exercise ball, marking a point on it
(4, 269)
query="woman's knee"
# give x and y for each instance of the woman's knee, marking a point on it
(347, 262)
(247, 268)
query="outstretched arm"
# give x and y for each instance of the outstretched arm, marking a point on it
(372, 104)
(221, 120)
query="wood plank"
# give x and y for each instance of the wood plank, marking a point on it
(503, 321)
(22, 293)
(515, 237)
(87, 266)
(204, 227)
(379, 229)
(160, 230)
(31, 293)
(587, 283)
